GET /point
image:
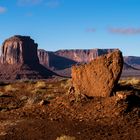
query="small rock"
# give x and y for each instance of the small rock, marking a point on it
(44, 102)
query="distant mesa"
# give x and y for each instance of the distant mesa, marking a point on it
(69, 57)
(19, 60)
(100, 76)
(55, 61)
(84, 56)
(61, 61)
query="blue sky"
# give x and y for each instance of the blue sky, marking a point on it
(74, 24)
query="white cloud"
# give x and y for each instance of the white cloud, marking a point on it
(125, 31)
(53, 3)
(2, 9)
(28, 2)
(91, 30)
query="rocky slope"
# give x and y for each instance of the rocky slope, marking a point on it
(132, 60)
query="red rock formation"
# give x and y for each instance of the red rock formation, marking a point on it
(99, 77)
(19, 50)
(63, 59)
(85, 56)
(43, 57)
(19, 60)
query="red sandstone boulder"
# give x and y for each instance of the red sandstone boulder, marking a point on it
(100, 76)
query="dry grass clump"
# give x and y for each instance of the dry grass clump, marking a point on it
(64, 137)
(10, 88)
(130, 81)
(39, 91)
(66, 83)
(1, 94)
(32, 100)
(40, 85)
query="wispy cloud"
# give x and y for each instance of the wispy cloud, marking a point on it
(125, 31)
(2, 10)
(28, 2)
(29, 14)
(91, 30)
(53, 3)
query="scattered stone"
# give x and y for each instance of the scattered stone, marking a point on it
(44, 102)
(121, 95)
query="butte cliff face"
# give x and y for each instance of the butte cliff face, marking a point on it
(54, 60)
(19, 60)
(83, 56)
(43, 57)
(19, 50)
(62, 59)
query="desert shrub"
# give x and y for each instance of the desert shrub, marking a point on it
(23, 98)
(1, 94)
(130, 81)
(133, 81)
(64, 137)
(38, 91)
(9, 88)
(66, 83)
(32, 100)
(28, 81)
(40, 85)
(50, 97)
(50, 86)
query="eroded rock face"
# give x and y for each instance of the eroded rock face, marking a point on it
(19, 50)
(19, 60)
(79, 55)
(99, 77)
(43, 57)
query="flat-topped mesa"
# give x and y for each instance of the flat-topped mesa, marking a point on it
(19, 50)
(19, 60)
(100, 76)
(86, 55)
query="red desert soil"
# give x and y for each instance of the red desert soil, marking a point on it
(44, 110)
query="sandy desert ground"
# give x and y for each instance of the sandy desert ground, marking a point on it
(44, 110)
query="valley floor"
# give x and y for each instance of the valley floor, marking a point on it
(44, 110)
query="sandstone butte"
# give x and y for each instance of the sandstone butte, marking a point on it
(100, 76)
(19, 50)
(19, 60)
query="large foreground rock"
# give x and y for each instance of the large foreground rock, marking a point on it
(100, 76)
